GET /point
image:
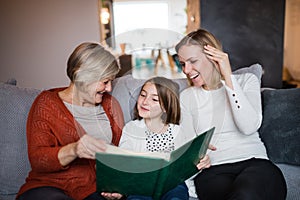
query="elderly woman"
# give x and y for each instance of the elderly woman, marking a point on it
(67, 126)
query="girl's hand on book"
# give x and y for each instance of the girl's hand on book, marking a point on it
(111, 196)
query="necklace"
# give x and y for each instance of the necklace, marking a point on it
(159, 131)
(218, 86)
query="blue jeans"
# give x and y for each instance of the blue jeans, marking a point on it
(180, 192)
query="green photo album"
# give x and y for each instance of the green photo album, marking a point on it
(152, 173)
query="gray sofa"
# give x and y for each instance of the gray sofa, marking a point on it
(280, 130)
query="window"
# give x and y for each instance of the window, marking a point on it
(148, 29)
(135, 21)
(130, 15)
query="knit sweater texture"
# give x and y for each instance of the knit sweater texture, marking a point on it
(50, 126)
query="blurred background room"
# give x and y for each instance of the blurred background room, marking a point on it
(38, 36)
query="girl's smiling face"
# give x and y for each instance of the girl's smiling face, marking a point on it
(148, 104)
(197, 67)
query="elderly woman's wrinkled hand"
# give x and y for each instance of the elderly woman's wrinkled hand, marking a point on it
(111, 196)
(87, 147)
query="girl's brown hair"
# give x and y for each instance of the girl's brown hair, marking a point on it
(168, 95)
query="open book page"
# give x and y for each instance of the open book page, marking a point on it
(110, 149)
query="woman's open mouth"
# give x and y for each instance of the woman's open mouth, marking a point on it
(194, 76)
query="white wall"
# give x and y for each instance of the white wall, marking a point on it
(292, 38)
(37, 37)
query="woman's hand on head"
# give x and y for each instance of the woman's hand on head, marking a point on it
(111, 196)
(221, 60)
(87, 146)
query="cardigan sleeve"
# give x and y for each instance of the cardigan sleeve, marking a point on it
(245, 103)
(43, 145)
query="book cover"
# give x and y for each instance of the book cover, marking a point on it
(149, 174)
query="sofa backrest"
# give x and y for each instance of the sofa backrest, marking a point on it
(15, 103)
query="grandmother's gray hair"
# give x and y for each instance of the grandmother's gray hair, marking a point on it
(91, 62)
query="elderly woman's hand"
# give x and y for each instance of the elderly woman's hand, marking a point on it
(87, 147)
(111, 196)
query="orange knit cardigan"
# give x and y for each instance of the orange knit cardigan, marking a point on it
(51, 126)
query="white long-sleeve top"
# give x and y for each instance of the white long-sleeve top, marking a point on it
(236, 114)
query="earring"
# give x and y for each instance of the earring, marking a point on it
(164, 117)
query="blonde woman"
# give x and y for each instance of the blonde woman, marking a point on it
(232, 104)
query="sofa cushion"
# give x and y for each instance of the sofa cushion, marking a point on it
(122, 91)
(291, 174)
(255, 69)
(15, 103)
(280, 129)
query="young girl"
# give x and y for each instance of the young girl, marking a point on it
(155, 128)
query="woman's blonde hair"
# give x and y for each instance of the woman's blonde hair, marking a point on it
(201, 38)
(91, 62)
(168, 95)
